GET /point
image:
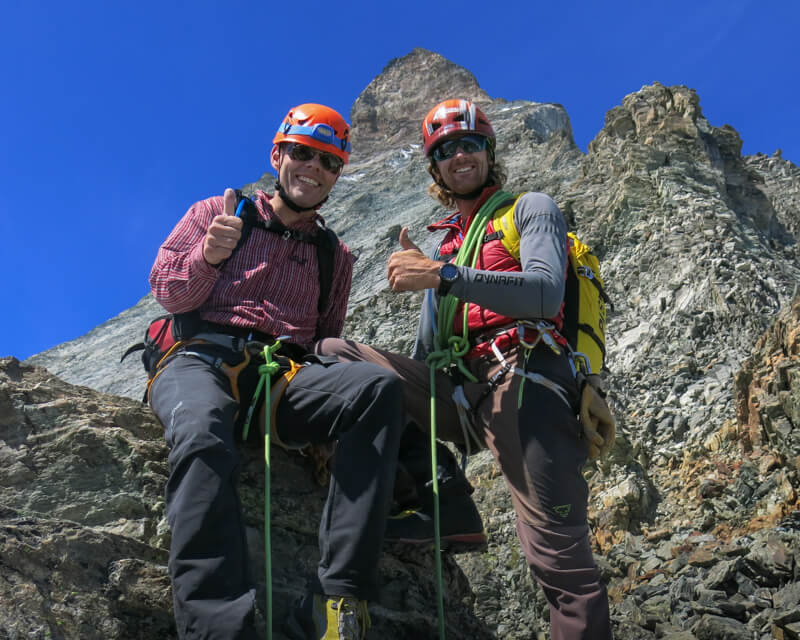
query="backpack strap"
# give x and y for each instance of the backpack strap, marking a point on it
(587, 272)
(325, 241)
(326, 252)
(572, 301)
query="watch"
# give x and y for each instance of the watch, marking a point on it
(449, 275)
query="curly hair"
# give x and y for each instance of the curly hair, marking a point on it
(440, 191)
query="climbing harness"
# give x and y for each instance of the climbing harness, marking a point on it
(266, 371)
(543, 334)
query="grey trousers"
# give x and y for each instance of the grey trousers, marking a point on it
(359, 405)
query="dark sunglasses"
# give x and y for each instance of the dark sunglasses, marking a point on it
(302, 153)
(468, 144)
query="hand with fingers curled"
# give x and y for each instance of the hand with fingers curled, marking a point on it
(599, 426)
(224, 232)
(410, 269)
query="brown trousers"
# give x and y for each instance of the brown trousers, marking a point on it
(537, 442)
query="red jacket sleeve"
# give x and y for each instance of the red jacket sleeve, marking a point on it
(181, 279)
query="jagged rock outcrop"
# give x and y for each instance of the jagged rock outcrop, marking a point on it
(695, 512)
(768, 390)
(389, 111)
(720, 557)
(779, 179)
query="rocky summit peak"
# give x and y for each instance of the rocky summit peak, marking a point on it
(392, 106)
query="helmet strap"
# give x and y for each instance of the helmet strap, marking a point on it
(291, 203)
(285, 196)
(472, 195)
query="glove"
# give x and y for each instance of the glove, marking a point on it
(599, 426)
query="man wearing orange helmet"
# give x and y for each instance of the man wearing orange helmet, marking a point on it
(517, 392)
(225, 298)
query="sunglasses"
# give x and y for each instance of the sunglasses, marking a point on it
(468, 144)
(302, 153)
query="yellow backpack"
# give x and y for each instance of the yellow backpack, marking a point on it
(585, 299)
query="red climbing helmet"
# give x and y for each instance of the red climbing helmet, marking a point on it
(318, 126)
(453, 118)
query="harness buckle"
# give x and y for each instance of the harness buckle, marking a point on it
(466, 418)
(525, 343)
(580, 362)
(586, 272)
(544, 332)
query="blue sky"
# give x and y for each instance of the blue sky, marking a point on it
(117, 116)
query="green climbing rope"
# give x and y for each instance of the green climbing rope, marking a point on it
(266, 371)
(449, 352)
(467, 256)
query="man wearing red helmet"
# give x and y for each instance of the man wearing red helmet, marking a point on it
(234, 297)
(523, 399)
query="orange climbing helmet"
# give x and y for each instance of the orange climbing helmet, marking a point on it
(453, 118)
(318, 126)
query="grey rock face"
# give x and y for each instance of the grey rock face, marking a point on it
(779, 180)
(694, 514)
(83, 530)
(94, 359)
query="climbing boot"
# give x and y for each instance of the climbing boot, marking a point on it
(321, 617)
(461, 527)
(411, 521)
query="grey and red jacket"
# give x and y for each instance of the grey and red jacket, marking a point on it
(501, 289)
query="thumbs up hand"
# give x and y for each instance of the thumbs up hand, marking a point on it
(410, 269)
(224, 233)
(406, 242)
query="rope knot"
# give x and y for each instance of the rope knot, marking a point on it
(268, 368)
(451, 356)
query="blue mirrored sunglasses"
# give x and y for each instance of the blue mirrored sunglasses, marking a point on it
(468, 144)
(302, 153)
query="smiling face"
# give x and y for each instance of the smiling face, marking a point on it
(306, 182)
(464, 172)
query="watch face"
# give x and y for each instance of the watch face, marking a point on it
(448, 272)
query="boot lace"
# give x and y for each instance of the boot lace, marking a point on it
(353, 618)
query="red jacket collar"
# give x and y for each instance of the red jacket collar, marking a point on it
(454, 220)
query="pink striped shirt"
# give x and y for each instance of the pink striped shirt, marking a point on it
(270, 284)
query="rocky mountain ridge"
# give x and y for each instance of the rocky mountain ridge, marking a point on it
(694, 513)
